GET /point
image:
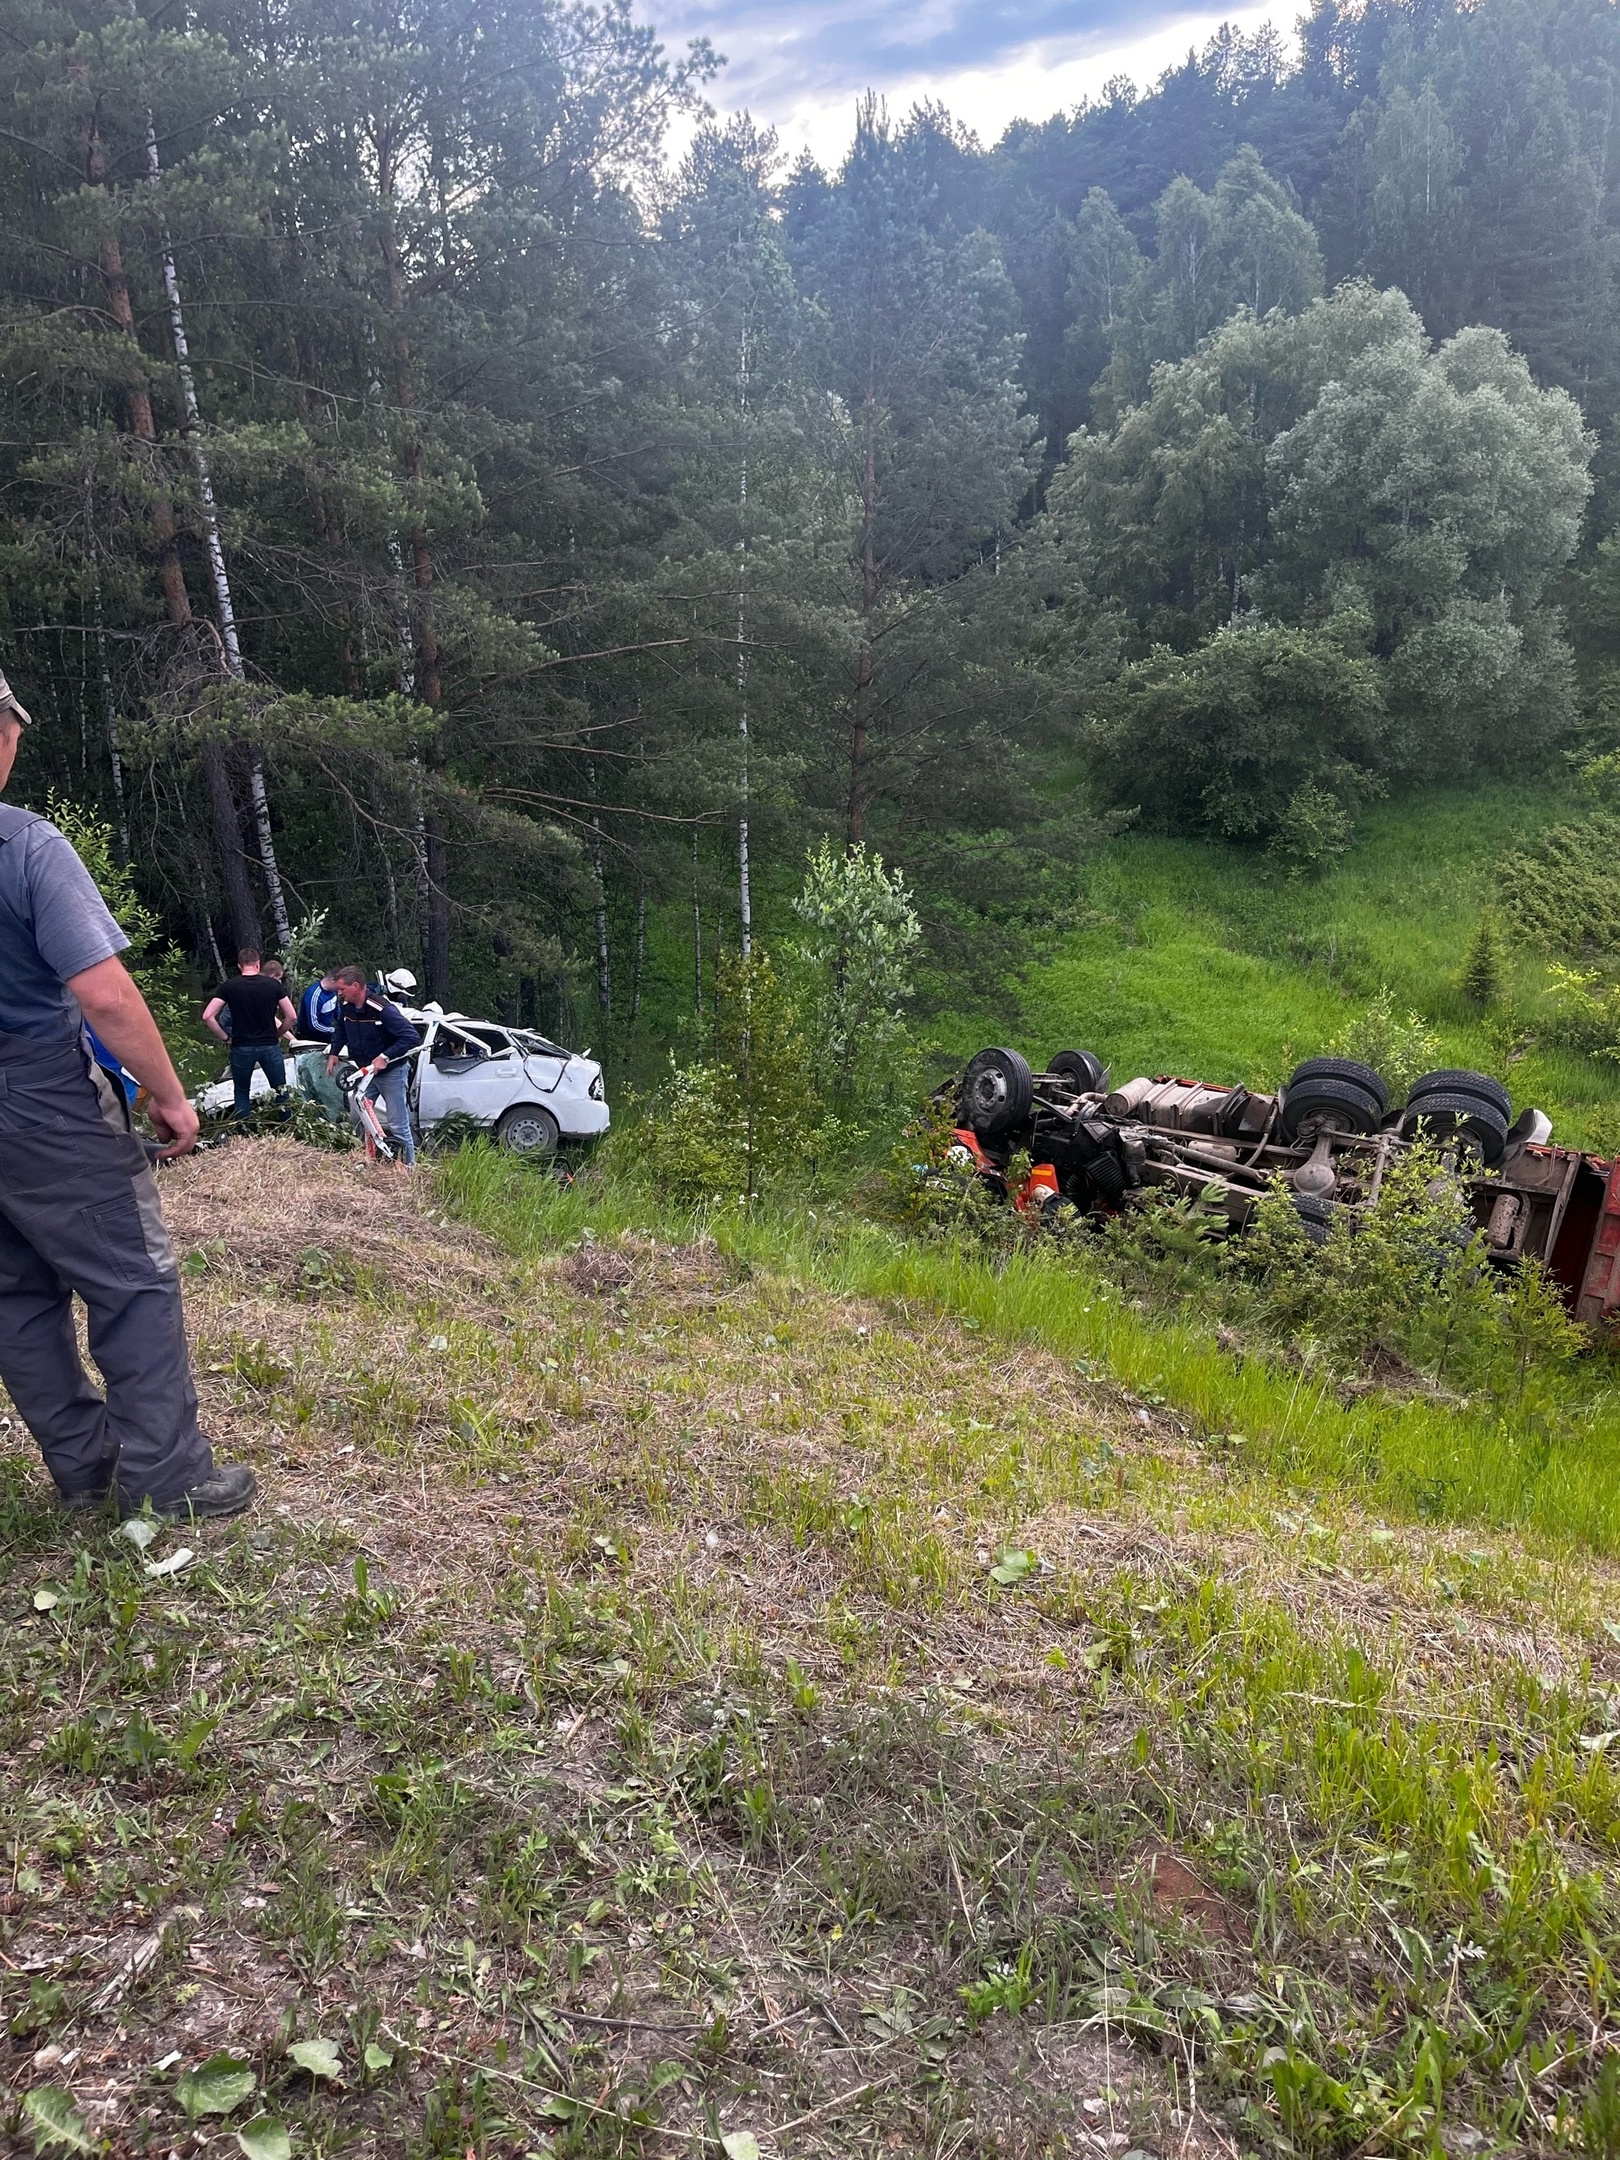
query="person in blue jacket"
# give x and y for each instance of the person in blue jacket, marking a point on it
(317, 1010)
(376, 1034)
(110, 1065)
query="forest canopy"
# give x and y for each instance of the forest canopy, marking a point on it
(425, 503)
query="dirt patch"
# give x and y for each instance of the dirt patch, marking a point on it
(1177, 1891)
(300, 1219)
(596, 1269)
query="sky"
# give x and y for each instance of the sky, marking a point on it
(800, 65)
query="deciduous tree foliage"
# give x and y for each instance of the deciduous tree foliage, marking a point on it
(1378, 522)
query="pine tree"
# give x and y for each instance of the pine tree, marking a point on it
(922, 349)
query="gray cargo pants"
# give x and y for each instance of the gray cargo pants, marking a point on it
(79, 1212)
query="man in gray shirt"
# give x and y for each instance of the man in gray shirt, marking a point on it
(78, 1202)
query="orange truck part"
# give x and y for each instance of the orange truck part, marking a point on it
(1040, 1187)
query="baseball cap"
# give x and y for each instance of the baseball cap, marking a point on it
(10, 700)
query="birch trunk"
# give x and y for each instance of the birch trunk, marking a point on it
(217, 572)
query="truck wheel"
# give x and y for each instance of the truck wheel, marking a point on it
(997, 1092)
(1479, 1125)
(1480, 1085)
(528, 1129)
(1315, 1216)
(1082, 1067)
(1107, 1179)
(1315, 1105)
(1343, 1068)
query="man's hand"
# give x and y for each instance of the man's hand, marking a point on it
(332, 1065)
(377, 1065)
(174, 1122)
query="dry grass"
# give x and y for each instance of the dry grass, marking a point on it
(674, 1719)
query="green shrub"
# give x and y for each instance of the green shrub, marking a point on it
(861, 937)
(1563, 890)
(1409, 1280)
(727, 1125)
(298, 1117)
(1588, 1012)
(1393, 1280)
(1314, 830)
(1165, 1244)
(688, 1149)
(1601, 779)
(1397, 1046)
(939, 1197)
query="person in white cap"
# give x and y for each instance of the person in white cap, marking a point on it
(78, 1203)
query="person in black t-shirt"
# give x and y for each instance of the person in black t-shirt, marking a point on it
(261, 1012)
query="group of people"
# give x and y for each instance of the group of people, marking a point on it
(341, 1015)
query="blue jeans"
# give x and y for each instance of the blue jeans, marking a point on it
(245, 1057)
(393, 1084)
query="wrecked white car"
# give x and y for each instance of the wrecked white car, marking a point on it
(530, 1092)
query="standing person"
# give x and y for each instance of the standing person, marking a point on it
(377, 1035)
(317, 1010)
(79, 1206)
(261, 1012)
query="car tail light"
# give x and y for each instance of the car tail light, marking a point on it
(596, 1089)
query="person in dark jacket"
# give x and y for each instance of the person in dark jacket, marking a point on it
(376, 1034)
(79, 1206)
(261, 1012)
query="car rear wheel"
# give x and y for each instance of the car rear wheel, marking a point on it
(1315, 1212)
(528, 1129)
(997, 1092)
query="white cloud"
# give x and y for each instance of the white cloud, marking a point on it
(801, 72)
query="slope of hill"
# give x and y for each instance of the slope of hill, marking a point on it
(1187, 958)
(671, 1700)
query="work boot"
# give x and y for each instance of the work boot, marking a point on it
(227, 1490)
(85, 1502)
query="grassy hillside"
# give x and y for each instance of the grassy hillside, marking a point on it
(1187, 958)
(746, 1689)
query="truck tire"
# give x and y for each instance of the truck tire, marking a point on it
(1315, 1216)
(1081, 1067)
(1343, 1068)
(1477, 1122)
(1341, 1105)
(996, 1095)
(1480, 1085)
(528, 1129)
(1106, 1178)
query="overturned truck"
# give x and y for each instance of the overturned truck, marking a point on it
(1066, 1135)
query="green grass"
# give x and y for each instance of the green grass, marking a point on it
(1549, 1465)
(609, 1738)
(1188, 959)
